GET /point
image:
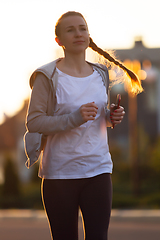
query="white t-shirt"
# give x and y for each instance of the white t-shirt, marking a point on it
(81, 152)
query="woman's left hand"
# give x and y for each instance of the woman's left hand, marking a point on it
(116, 115)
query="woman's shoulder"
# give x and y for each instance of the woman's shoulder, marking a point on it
(47, 70)
(99, 66)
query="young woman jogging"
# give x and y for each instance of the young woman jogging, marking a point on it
(76, 166)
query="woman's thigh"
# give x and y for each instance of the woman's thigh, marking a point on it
(61, 204)
(95, 204)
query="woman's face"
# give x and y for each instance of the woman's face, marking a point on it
(74, 36)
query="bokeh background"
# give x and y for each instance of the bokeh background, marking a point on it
(131, 29)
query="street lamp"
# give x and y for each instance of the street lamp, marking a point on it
(133, 128)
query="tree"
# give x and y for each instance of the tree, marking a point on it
(11, 183)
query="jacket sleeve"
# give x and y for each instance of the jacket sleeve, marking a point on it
(107, 117)
(37, 119)
(107, 111)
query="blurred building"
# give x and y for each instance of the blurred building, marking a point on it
(11, 142)
(148, 102)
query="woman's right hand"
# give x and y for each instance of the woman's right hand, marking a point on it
(88, 111)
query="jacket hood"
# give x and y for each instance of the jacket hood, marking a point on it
(49, 68)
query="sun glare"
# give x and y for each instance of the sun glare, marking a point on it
(142, 74)
(27, 38)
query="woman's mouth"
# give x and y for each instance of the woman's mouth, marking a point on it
(78, 42)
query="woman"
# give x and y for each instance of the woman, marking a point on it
(76, 164)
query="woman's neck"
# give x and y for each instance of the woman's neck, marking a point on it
(75, 65)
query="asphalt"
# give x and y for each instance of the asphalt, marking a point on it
(124, 225)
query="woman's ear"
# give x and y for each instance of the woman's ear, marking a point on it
(58, 41)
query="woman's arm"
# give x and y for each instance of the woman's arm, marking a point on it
(37, 119)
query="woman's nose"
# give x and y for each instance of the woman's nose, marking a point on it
(78, 32)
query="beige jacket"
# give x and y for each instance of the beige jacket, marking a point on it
(40, 116)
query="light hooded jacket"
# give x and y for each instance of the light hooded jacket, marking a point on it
(40, 116)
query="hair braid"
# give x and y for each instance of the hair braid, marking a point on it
(135, 82)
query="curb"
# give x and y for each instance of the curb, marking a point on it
(135, 213)
(16, 213)
(40, 214)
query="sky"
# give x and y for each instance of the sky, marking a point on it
(27, 36)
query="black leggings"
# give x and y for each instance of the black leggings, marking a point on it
(62, 199)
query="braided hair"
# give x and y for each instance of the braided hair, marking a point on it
(136, 86)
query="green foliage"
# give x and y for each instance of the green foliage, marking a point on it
(148, 171)
(34, 176)
(11, 183)
(14, 194)
(10, 190)
(31, 196)
(155, 157)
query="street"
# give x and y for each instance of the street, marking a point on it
(31, 225)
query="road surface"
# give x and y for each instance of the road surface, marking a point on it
(124, 225)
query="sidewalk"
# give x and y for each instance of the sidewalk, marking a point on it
(22, 213)
(40, 214)
(136, 213)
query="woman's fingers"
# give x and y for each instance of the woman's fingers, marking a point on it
(88, 111)
(116, 115)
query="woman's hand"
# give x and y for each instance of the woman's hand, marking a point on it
(88, 111)
(116, 115)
